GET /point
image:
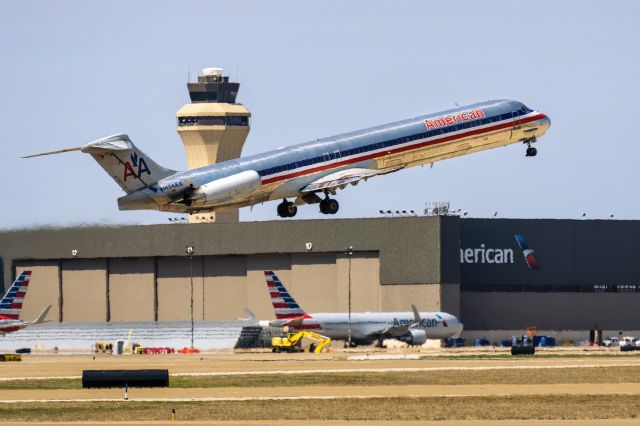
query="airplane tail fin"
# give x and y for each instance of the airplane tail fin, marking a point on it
(42, 317)
(284, 305)
(131, 168)
(11, 302)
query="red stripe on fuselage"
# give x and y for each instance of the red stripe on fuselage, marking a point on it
(402, 149)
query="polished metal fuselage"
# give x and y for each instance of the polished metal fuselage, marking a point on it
(284, 172)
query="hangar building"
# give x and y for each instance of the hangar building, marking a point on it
(587, 270)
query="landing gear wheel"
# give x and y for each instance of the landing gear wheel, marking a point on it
(329, 206)
(287, 209)
(531, 152)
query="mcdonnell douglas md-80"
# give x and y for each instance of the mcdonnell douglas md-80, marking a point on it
(362, 328)
(310, 173)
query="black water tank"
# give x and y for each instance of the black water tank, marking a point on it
(120, 378)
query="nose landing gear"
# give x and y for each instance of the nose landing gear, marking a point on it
(287, 209)
(531, 151)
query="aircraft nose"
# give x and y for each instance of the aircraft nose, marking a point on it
(545, 122)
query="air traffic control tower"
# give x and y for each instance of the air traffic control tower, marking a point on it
(213, 128)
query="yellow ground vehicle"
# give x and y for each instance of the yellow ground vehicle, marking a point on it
(104, 347)
(293, 342)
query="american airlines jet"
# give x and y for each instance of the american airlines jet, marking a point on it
(312, 172)
(413, 328)
(11, 306)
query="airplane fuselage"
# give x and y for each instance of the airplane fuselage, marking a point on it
(283, 173)
(11, 325)
(366, 325)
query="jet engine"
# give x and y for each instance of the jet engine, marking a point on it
(226, 189)
(415, 337)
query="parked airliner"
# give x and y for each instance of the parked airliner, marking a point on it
(312, 172)
(11, 306)
(363, 328)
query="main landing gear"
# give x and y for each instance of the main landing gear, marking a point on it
(531, 151)
(329, 205)
(287, 209)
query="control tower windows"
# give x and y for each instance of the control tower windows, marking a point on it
(229, 120)
(236, 120)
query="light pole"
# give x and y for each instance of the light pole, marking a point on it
(349, 252)
(190, 254)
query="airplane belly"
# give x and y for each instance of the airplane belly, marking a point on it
(435, 153)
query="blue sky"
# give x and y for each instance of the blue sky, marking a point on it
(73, 71)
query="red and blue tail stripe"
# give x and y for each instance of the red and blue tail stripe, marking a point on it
(11, 303)
(284, 305)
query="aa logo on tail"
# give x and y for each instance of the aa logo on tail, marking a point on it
(136, 163)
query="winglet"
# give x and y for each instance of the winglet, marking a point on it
(416, 314)
(41, 318)
(252, 317)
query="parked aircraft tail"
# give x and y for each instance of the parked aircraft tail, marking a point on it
(11, 302)
(284, 305)
(131, 168)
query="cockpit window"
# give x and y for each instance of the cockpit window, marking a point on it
(526, 110)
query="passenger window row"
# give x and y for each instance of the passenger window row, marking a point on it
(393, 142)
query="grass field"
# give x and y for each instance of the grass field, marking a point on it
(455, 388)
(466, 377)
(406, 408)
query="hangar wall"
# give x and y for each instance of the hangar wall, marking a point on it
(587, 273)
(148, 289)
(557, 311)
(142, 273)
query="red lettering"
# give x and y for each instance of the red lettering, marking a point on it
(464, 116)
(128, 171)
(440, 122)
(480, 113)
(429, 124)
(449, 119)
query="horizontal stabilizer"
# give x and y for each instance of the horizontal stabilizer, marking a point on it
(131, 168)
(119, 142)
(60, 151)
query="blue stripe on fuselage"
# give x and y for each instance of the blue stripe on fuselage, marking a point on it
(393, 142)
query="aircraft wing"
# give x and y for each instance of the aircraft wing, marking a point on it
(342, 178)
